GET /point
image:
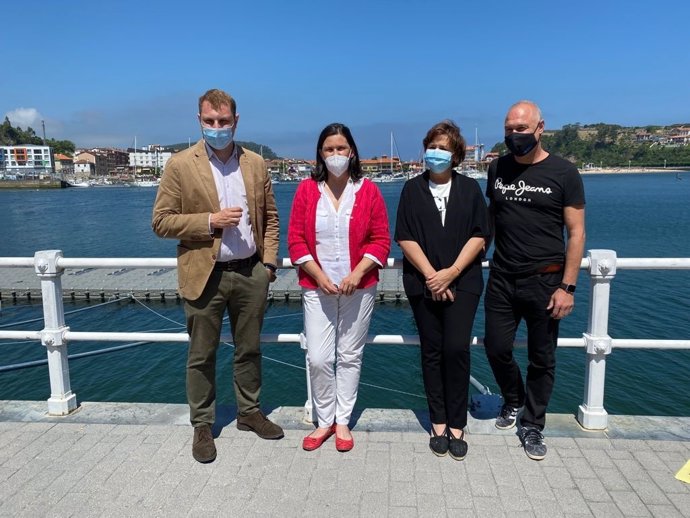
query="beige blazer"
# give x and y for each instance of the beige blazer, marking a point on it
(187, 195)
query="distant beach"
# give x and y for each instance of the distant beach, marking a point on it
(627, 170)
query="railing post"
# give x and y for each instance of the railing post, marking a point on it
(308, 409)
(602, 269)
(62, 401)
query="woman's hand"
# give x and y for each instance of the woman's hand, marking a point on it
(326, 285)
(439, 281)
(349, 284)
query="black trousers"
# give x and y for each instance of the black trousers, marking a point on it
(508, 300)
(445, 331)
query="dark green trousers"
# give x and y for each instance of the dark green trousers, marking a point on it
(243, 294)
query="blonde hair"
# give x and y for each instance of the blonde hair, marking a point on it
(218, 98)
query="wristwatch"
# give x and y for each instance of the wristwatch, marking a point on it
(271, 267)
(568, 288)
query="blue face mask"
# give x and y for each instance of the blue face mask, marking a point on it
(438, 160)
(218, 138)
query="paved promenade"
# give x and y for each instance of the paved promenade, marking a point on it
(135, 460)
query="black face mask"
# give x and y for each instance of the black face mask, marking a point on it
(521, 144)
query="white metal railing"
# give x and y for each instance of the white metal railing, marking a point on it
(600, 264)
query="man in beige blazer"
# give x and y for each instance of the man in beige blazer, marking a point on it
(217, 199)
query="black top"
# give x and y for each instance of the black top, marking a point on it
(528, 202)
(419, 220)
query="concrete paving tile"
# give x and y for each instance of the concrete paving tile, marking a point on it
(377, 481)
(558, 477)
(371, 504)
(668, 483)
(597, 459)
(482, 485)
(403, 512)
(431, 505)
(546, 508)
(629, 503)
(631, 469)
(681, 501)
(426, 485)
(613, 479)
(484, 506)
(679, 446)
(570, 500)
(458, 497)
(664, 511)
(402, 494)
(592, 490)
(578, 467)
(649, 492)
(537, 487)
(514, 499)
(620, 454)
(605, 510)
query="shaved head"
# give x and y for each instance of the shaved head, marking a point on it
(528, 109)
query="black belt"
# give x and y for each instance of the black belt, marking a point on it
(236, 264)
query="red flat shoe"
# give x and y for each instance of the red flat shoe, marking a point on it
(312, 443)
(343, 445)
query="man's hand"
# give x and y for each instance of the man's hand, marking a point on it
(229, 217)
(561, 304)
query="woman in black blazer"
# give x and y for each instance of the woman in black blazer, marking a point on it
(442, 228)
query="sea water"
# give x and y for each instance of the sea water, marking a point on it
(637, 215)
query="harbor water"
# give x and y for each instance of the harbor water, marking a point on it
(637, 215)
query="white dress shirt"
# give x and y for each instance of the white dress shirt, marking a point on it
(238, 242)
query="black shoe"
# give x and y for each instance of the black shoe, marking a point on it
(457, 447)
(507, 417)
(439, 443)
(533, 443)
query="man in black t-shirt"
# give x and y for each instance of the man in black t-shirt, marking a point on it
(533, 196)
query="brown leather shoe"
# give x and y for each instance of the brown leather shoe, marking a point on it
(203, 447)
(260, 425)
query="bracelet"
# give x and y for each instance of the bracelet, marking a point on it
(458, 269)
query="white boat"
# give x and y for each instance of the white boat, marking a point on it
(146, 183)
(79, 184)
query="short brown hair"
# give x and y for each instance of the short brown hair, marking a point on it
(452, 131)
(217, 98)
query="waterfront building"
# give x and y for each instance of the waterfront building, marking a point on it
(382, 164)
(150, 158)
(107, 161)
(26, 161)
(64, 165)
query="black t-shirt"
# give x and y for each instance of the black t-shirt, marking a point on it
(419, 220)
(528, 202)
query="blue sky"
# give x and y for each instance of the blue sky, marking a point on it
(101, 73)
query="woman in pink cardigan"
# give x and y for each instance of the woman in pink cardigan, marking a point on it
(338, 237)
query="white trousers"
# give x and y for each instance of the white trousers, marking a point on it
(336, 328)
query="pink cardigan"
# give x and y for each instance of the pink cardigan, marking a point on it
(368, 229)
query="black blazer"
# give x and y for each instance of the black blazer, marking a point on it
(419, 220)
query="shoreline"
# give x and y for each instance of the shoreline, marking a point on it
(626, 170)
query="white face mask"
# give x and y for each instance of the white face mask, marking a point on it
(337, 164)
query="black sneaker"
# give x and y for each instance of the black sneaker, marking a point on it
(533, 443)
(507, 417)
(439, 443)
(457, 447)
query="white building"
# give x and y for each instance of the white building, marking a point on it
(25, 161)
(150, 158)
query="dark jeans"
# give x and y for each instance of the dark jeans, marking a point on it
(242, 294)
(445, 330)
(509, 299)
